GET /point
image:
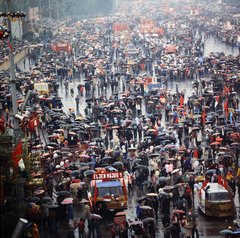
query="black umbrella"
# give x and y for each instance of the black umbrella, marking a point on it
(47, 199)
(192, 216)
(33, 199)
(153, 155)
(211, 171)
(136, 161)
(142, 199)
(53, 206)
(140, 167)
(162, 179)
(118, 163)
(146, 182)
(180, 202)
(89, 172)
(75, 172)
(117, 152)
(63, 193)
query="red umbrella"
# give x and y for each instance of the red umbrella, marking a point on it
(178, 211)
(215, 143)
(219, 139)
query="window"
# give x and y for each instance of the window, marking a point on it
(117, 191)
(223, 196)
(104, 192)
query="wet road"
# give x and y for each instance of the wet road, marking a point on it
(208, 227)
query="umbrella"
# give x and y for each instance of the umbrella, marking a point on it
(162, 179)
(226, 231)
(47, 199)
(163, 194)
(67, 201)
(194, 215)
(140, 167)
(38, 192)
(180, 202)
(89, 172)
(146, 182)
(211, 171)
(175, 171)
(167, 188)
(152, 194)
(63, 193)
(146, 208)
(34, 199)
(121, 214)
(178, 211)
(53, 206)
(141, 199)
(96, 216)
(132, 148)
(136, 161)
(148, 219)
(118, 163)
(75, 185)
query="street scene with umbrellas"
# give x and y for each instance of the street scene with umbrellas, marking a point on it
(122, 124)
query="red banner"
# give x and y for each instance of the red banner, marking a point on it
(110, 175)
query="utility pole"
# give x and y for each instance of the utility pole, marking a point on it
(50, 9)
(40, 9)
(57, 10)
(13, 82)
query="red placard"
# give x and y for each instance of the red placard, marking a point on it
(108, 176)
(121, 220)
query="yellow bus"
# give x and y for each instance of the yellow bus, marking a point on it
(216, 201)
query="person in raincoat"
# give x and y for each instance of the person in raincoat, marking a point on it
(35, 233)
(188, 228)
(86, 213)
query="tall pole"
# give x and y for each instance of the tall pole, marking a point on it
(50, 9)
(40, 5)
(13, 82)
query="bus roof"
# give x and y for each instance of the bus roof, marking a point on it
(109, 184)
(215, 187)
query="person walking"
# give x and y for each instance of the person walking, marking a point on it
(80, 225)
(86, 212)
(70, 215)
(52, 220)
(91, 226)
(35, 232)
(188, 228)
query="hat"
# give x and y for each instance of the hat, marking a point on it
(229, 228)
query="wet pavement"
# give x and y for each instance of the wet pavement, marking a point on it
(207, 226)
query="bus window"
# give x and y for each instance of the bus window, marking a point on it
(117, 191)
(218, 197)
(104, 192)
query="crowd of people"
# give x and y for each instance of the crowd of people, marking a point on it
(161, 139)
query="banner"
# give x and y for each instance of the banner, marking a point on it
(33, 13)
(110, 175)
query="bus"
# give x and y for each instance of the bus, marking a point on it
(108, 189)
(216, 200)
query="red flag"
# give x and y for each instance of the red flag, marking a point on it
(204, 185)
(219, 179)
(142, 66)
(196, 153)
(226, 89)
(3, 120)
(217, 100)
(18, 151)
(161, 30)
(225, 184)
(95, 194)
(124, 189)
(203, 117)
(226, 108)
(176, 121)
(33, 124)
(181, 101)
